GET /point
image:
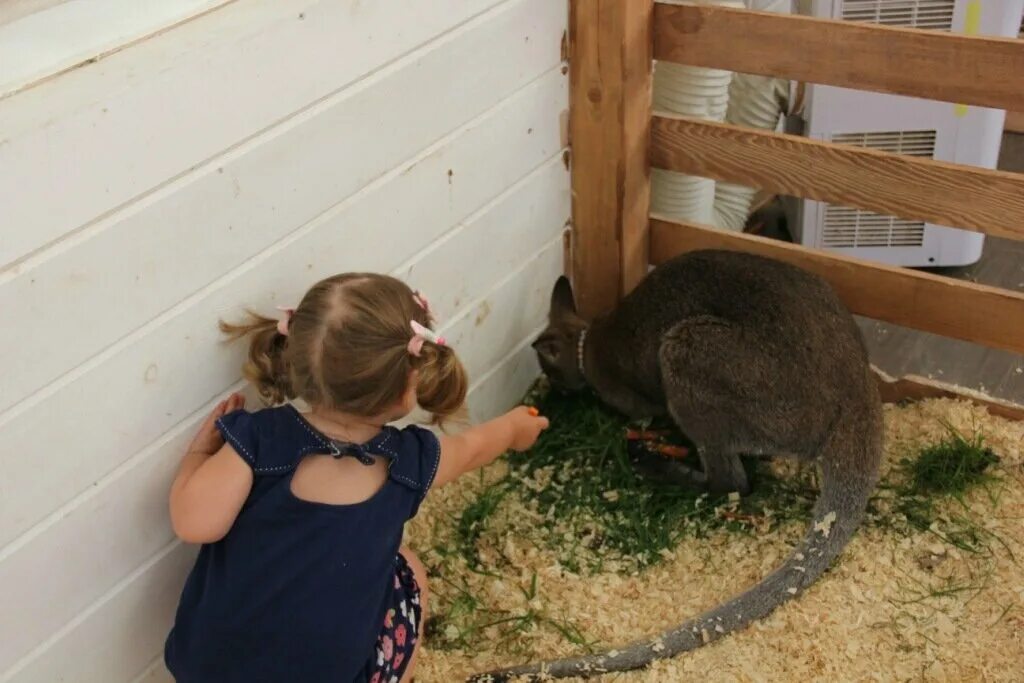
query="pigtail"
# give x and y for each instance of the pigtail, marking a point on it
(442, 383)
(266, 366)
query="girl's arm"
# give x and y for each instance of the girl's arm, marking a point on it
(517, 429)
(212, 483)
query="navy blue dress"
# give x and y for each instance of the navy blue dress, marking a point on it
(297, 590)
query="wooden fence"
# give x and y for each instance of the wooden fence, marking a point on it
(616, 138)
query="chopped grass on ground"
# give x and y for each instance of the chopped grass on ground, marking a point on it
(951, 466)
(942, 471)
(578, 495)
(595, 506)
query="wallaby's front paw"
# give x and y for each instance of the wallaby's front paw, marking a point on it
(664, 470)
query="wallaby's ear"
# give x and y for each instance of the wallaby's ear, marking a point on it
(562, 300)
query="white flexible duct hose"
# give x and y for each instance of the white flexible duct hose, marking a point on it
(714, 95)
(701, 93)
(754, 102)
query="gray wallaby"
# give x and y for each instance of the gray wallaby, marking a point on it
(748, 356)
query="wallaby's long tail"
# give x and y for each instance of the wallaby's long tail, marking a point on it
(849, 464)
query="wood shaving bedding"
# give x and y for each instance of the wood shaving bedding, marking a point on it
(895, 607)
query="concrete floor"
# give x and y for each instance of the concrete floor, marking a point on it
(901, 351)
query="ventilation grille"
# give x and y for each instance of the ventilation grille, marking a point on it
(913, 143)
(936, 15)
(847, 227)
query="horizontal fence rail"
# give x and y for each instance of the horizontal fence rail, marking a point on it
(611, 45)
(909, 187)
(930, 64)
(953, 308)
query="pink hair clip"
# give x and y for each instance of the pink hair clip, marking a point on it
(421, 299)
(420, 335)
(282, 324)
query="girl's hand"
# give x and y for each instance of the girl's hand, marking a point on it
(208, 439)
(527, 424)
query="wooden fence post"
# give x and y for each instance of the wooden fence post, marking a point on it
(610, 64)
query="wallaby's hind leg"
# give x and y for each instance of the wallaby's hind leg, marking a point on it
(660, 469)
(733, 391)
(720, 473)
(724, 472)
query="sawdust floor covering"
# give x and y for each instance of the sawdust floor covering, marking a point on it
(896, 607)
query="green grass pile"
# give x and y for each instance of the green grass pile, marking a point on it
(577, 495)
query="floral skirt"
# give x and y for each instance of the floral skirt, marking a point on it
(398, 637)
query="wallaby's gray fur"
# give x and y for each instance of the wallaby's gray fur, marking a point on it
(749, 356)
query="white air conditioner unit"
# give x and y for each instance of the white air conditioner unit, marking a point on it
(902, 125)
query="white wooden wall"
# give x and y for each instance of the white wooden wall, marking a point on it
(232, 161)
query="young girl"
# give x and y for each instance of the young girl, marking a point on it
(302, 576)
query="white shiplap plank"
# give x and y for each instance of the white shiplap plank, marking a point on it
(148, 257)
(75, 147)
(487, 329)
(155, 673)
(111, 529)
(56, 38)
(154, 370)
(117, 637)
(502, 234)
(135, 614)
(505, 384)
(114, 525)
(13, 10)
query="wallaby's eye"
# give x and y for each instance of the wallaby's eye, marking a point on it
(547, 347)
(549, 350)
